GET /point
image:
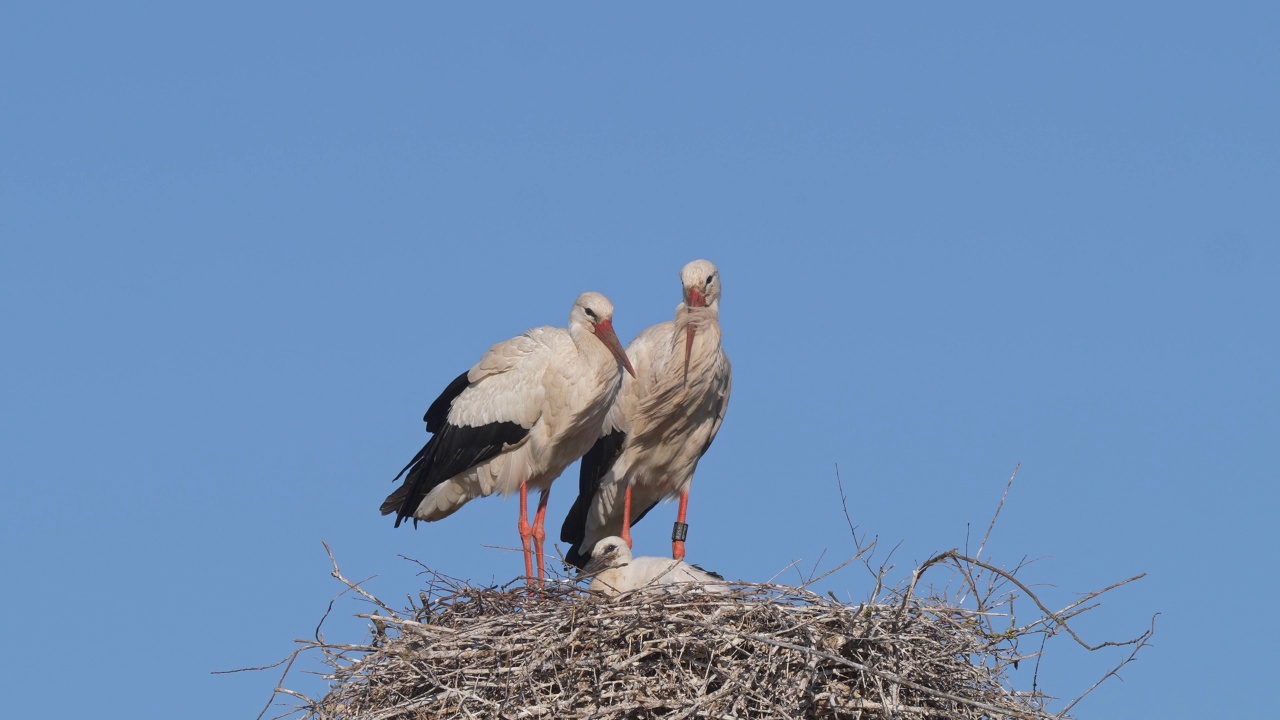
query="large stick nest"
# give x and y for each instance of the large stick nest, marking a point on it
(759, 651)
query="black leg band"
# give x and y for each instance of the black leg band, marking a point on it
(679, 532)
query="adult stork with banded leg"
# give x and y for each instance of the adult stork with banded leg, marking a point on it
(530, 407)
(660, 426)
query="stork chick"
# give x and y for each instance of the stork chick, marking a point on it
(616, 572)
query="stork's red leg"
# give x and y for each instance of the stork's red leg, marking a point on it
(539, 535)
(626, 515)
(681, 528)
(526, 532)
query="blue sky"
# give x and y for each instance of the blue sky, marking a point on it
(242, 247)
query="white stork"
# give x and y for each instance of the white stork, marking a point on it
(616, 571)
(516, 420)
(662, 423)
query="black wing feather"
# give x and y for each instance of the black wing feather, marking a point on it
(438, 414)
(715, 575)
(452, 449)
(595, 465)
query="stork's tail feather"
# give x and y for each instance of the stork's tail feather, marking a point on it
(574, 530)
(396, 502)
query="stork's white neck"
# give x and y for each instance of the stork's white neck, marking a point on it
(699, 317)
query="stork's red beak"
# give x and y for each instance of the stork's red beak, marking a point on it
(694, 299)
(689, 332)
(604, 331)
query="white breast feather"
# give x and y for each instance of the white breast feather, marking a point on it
(669, 423)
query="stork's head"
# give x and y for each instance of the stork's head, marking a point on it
(594, 312)
(610, 552)
(701, 280)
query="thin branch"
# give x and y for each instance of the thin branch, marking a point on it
(999, 507)
(955, 556)
(1143, 641)
(844, 505)
(354, 586)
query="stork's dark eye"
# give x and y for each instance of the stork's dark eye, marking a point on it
(710, 278)
(590, 313)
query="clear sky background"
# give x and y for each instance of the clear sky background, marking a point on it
(242, 247)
